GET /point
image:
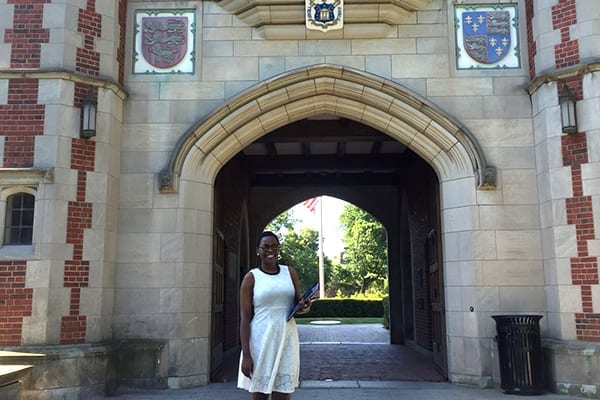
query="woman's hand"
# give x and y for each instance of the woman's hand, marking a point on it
(247, 366)
(304, 306)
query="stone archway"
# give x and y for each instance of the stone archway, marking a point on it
(447, 146)
(450, 149)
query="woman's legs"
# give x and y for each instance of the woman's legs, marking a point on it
(260, 396)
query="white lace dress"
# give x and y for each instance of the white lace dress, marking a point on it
(274, 341)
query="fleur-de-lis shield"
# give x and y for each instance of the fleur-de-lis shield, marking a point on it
(486, 35)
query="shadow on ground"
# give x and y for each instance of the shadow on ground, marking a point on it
(352, 352)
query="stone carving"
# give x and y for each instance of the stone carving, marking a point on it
(486, 36)
(324, 15)
(165, 181)
(164, 41)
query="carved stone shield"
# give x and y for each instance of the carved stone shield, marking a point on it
(487, 35)
(324, 15)
(164, 40)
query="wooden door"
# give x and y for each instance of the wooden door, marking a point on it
(218, 298)
(436, 296)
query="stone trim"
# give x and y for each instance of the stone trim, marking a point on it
(26, 176)
(76, 77)
(561, 75)
(382, 104)
(582, 375)
(279, 20)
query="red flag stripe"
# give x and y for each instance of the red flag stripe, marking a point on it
(311, 204)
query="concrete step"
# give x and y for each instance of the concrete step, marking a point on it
(11, 380)
(19, 357)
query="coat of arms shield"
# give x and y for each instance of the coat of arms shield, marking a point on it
(487, 35)
(164, 40)
(324, 15)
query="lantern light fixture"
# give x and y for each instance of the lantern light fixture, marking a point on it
(568, 110)
(88, 116)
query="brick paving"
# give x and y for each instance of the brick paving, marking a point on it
(360, 352)
(361, 365)
(353, 352)
(357, 333)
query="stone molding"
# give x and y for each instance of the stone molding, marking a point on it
(26, 176)
(112, 86)
(284, 19)
(563, 74)
(380, 103)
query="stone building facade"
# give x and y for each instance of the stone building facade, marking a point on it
(129, 245)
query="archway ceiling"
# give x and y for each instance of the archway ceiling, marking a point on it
(325, 150)
(285, 18)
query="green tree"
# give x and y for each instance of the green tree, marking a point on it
(365, 265)
(282, 223)
(301, 252)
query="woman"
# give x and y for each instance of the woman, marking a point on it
(270, 359)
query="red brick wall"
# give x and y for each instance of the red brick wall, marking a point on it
(83, 155)
(21, 119)
(531, 44)
(121, 48)
(584, 268)
(564, 15)
(89, 23)
(27, 34)
(79, 218)
(15, 301)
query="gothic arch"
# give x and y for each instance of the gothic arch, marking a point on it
(446, 145)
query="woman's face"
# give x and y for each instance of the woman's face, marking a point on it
(268, 249)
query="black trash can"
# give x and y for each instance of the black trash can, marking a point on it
(520, 354)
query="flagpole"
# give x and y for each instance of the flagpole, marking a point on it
(321, 257)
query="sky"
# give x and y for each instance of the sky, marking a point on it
(332, 233)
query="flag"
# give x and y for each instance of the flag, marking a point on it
(311, 204)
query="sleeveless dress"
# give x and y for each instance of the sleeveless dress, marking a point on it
(274, 343)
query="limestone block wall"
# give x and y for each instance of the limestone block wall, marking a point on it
(562, 33)
(492, 240)
(52, 54)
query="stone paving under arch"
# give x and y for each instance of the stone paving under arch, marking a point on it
(352, 353)
(360, 352)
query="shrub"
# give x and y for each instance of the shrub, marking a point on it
(349, 308)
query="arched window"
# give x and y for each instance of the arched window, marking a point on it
(18, 229)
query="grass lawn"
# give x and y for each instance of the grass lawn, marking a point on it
(363, 320)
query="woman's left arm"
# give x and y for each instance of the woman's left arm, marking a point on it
(305, 306)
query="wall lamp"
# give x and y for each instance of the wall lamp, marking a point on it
(88, 116)
(568, 110)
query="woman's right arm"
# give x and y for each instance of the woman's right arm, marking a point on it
(246, 315)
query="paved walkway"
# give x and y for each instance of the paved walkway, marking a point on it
(347, 390)
(360, 352)
(349, 362)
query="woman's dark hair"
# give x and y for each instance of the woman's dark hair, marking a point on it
(266, 234)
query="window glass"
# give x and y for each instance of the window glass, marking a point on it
(19, 219)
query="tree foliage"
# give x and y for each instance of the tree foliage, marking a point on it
(282, 223)
(299, 249)
(365, 265)
(364, 268)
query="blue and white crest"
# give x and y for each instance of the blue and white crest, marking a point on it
(324, 15)
(486, 36)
